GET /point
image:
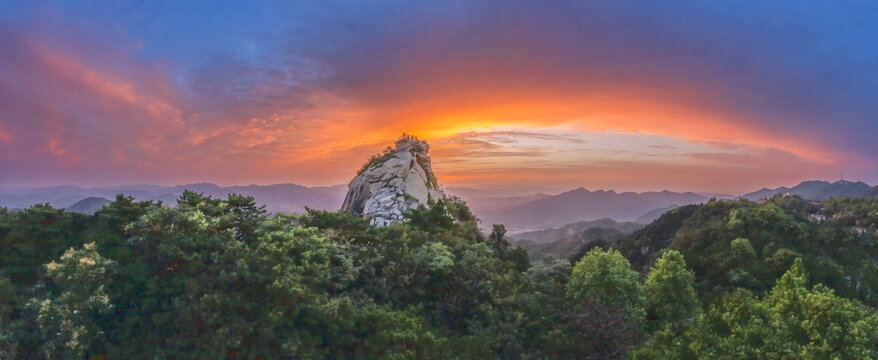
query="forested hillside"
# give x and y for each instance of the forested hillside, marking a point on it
(222, 278)
(552, 234)
(566, 247)
(581, 204)
(816, 190)
(743, 244)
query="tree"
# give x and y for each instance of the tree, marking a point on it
(585, 248)
(543, 308)
(193, 282)
(816, 324)
(670, 292)
(459, 210)
(791, 322)
(37, 235)
(434, 219)
(497, 241)
(607, 276)
(68, 320)
(8, 299)
(607, 306)
(247, 215)
(219, 278)
(435, 258)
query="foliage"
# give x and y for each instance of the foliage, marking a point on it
(585, 249)
(606, 276)
(376, 160)
(670, 295)
(432, 219)
(860, 212)
(35, 236)
(221, 278)
(643, 245)
(572, 247)
(734, 244)
(458, 210)
(497, 241)
(790, 322)
(67, 320)
(8, 298)
(608, 304)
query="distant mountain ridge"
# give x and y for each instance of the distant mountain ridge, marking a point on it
(581, 204)
(89, 205)
(520, 213)
(565, 247)
(551, 235)
(817, 190)
(654, 214)
(277, 198)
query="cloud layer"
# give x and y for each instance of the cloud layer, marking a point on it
(691, 95)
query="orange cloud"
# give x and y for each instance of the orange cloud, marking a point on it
(5, 136)
(444, 116)
(240, 122)
(111, 89)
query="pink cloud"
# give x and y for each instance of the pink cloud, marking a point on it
(5, 136)
(101, 115)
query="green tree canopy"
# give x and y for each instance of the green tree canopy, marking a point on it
(670, 295)
(68, 320)
(606, 276)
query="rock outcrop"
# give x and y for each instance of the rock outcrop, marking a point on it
(399, 180)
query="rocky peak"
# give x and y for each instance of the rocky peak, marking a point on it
(394, 182)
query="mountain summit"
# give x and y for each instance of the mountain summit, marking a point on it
(816, 190)
(393, 183)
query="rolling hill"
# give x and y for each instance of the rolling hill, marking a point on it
(552, 234)
(277, 198)
(581, 204)
(815, 190)
(89, 205)
(565, 247)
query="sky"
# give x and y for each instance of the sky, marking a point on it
(718, 96)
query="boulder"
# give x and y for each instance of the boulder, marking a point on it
(393, 184)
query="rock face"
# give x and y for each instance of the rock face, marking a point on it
(394, 183)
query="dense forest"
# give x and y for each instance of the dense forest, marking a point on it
(222, 278)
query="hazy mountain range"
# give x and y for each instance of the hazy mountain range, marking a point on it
(520, 213)
(567, 246)
(566, 231)
(654, 214)
(277, 198)
(547, 211)
(817, 190)
(89, 205)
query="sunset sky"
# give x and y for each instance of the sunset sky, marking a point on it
(548, 95)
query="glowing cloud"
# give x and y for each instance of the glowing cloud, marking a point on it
(576, 94)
